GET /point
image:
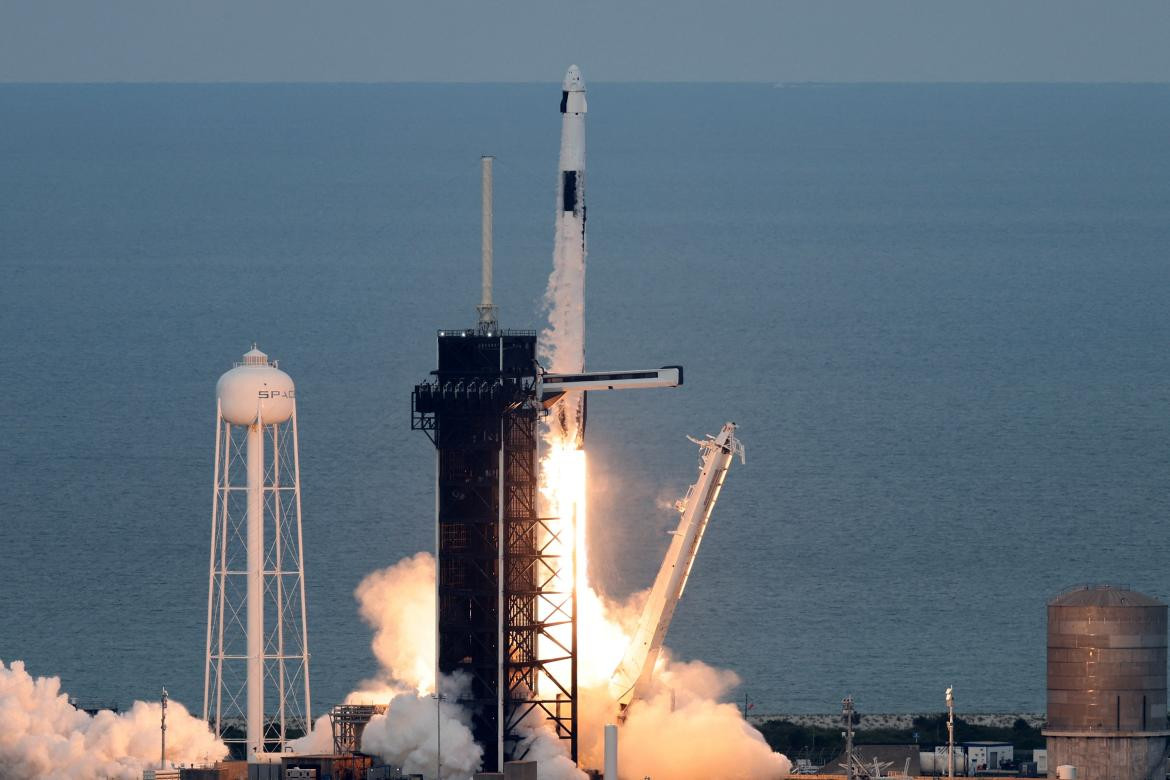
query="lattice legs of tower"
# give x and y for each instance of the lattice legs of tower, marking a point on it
(540, 600)
(256, 667)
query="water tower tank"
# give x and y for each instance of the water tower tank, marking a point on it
(1107, 682)
(254, 388)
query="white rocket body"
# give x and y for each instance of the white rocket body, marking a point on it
(570, 237)
(573, 110)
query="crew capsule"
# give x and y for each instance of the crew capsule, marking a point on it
(573, 92)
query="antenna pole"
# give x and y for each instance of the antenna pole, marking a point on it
(163, 763)
(847, 718)
(486, 309)
(951, 733)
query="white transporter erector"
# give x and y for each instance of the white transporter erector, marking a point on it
(633, 676)
(256, 669)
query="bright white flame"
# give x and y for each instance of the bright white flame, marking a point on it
(563, 487)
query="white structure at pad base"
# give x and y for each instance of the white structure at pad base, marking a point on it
(256, 668)
(611, 752)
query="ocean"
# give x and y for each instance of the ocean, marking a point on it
(937, 312)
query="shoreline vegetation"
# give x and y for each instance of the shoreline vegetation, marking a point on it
(813, 736)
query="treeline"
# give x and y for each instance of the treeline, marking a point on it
(815, 742)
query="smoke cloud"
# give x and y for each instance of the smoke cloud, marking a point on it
(408, 735)
(561, 347)
(398, 602)
(542, 745)
(43, 736)
(682, 731)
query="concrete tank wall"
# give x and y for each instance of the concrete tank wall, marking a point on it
(1106, 661)
(1109, 757)
(1107, 684)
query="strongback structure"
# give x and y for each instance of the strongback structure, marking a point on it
(1107, 684)
(498, 586)
(256, 662)
(633, 676)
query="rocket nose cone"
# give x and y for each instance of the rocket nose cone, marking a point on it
(573, 81)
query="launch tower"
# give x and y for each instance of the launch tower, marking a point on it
(497, 582)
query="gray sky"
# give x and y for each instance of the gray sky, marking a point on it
(613, 40)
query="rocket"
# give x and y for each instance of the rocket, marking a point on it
(570, 246)
(572, 162)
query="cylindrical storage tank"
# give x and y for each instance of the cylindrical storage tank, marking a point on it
(1107, 683)
(1106, 660)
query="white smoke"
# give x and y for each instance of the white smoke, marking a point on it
(561, 347)
(317, 742)
(43, 736)
(562, 343)
(682, 730)
(398, 602)
(409, 735)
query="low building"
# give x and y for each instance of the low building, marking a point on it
(160, 774)
(989, 755)
(336, 767)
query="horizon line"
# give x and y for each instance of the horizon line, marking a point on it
(711, 82)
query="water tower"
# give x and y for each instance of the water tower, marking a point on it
(256, 669)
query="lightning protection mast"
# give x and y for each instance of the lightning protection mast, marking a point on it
(256, 667)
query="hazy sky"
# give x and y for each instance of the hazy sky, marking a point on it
(614, 40)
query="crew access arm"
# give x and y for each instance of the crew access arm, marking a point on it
(632, 678)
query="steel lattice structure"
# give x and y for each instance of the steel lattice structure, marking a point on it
(497, 574)
(348, 722)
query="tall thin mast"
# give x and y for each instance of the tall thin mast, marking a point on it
(487, 309)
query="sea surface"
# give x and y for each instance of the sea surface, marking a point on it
(940, 315)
